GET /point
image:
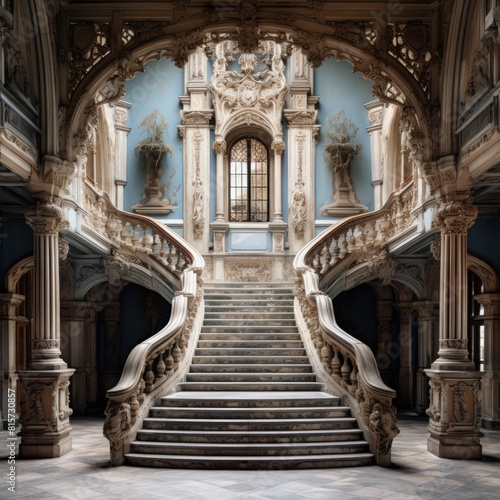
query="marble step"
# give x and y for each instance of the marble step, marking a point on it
(250, 413)
(250, 449)
(249, 304)
(226, 436)
(210, 289)
(248, 284)
(249, 463)
(250, 344)
(249, 328)
(252, 315)
(249, 336)
(255, 322)
(250, 386)
(230, 351)
(250, 368)
(226, 359)
(250, 399)
(217, 378)
(254, 424)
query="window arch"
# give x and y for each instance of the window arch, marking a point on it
(248, 181)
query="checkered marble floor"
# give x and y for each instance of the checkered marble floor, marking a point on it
(84, 473)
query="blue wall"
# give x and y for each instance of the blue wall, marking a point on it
(159, 86)
(16, 243)
(484, 241)
(338, 89)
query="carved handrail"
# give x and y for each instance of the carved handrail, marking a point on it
(139, 234)
(156, 365)
(346, 365)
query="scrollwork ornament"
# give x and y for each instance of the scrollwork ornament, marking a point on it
(220, 147)
(456, 216)
(45, 219)
(278, 147)
(63, 249)
(382, 422)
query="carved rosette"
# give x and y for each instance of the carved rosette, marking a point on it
(456, 216)
(45, 219)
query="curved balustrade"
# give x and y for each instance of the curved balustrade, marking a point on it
(347, 365)
(157, 364)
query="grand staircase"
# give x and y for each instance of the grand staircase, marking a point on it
(251, 399)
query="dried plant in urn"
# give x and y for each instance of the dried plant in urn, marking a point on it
(153, 148)
(340, 148)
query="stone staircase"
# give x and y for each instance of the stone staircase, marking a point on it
(251, 399)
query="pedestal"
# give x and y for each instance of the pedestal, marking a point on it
(45, 412)
(454, 414)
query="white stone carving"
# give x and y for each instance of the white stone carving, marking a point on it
(248, 96)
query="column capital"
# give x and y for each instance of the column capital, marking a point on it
(278, 147)
(9, 302)
(456, 214)
(220, 147)
(406, 309)
(424, 308)
(45, 219)
(491, 303)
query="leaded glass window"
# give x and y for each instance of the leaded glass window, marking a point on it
(249, 182)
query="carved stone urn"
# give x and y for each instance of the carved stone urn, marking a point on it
(153, 149)
(340, 149)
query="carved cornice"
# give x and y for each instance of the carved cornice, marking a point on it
(45, 219)
(300, 117)
(199, 117)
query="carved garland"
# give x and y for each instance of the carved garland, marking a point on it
(298, 202)
(198, 192)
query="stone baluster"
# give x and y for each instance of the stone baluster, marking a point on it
(454, 411)
(44, 394)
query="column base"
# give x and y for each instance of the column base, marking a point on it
(44, 413)
(46, 445)
(459, 447)
(454, 414)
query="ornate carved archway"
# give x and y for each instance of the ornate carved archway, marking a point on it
(377, 52)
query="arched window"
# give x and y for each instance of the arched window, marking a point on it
(248, 181)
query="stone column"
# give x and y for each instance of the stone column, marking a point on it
(405, 392)
(9, 303)
(277, 226)
(122, 131)
(278, 146)
(302, 133)
(78, 349)
(220, 148)
(44, 394)
(111, 317)
(455, 408)
(425, 309)
(195, 131)
(219, 226)
(490, 391)
(375, 115)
